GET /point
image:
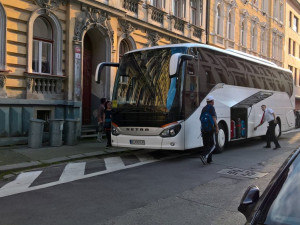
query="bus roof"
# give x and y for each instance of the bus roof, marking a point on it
(227, 51)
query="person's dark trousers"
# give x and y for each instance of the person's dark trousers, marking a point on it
(271, 134)
(209, 144)
(108, 136)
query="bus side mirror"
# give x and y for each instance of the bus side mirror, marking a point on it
(100, 68)
(175, 62)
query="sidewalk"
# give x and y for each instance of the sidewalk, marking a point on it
(22, 157)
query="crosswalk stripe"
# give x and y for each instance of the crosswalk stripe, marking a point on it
(114, 163)
(21, 183)
(76, 171)
(73, 171)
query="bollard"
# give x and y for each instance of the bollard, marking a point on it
(56, 128)
(35, 135)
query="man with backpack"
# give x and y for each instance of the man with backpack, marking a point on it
(209, 129)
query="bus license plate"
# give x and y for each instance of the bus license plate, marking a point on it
(137, 142)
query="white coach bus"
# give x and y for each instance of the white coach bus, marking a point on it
(159, 93)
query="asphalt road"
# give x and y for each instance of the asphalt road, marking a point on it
(176, 191)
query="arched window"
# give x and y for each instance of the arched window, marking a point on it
(42, 46)
(243, 33)
(124, 47)
(218, 20)
(230, 26)
(275, 46)
(263, 47)
(2, 38)
(44, 52)
(254, 38)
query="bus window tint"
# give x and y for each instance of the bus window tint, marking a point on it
(191, 88)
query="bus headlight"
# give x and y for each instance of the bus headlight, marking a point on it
(114, 130)
(171, 132)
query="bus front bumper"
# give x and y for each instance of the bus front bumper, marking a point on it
(148, 142)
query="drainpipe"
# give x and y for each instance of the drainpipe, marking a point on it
(207, 20)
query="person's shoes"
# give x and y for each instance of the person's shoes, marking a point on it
(99, 140)
(277, 147)
(108, 145)
(209, 160)
(203, 159)
(267, 146)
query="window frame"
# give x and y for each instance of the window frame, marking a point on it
(57, 41)
(41, 42)
(193, 9)
(160, 4)
(179, 8)
(2, 38)
(243, 33)
(254, 37)
(295, 24)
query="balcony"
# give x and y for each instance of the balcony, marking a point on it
(44, 86)
(196, 31)
(178, 24)
(131, 5)
(157, 15)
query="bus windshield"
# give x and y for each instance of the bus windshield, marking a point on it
(144, 95)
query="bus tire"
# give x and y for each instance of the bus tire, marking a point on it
(278, 128)
(220, 139)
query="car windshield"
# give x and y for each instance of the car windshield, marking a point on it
(283, 205)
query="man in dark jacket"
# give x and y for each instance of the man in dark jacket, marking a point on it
(209, 135)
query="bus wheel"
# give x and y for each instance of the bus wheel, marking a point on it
(278, 128)
(220, 139)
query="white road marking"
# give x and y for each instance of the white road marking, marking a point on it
(114, 163)
(17, 186)
(20, 184)
(73, 171)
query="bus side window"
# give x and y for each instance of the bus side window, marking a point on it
(191, 88)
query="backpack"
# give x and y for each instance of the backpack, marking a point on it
(207, 121)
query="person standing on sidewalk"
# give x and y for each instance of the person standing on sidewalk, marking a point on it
(100, 125)
(107, 122)
(270, 117)
(209, 129)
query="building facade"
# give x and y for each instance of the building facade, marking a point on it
(253, 26)
(292, 44)
(49, 50)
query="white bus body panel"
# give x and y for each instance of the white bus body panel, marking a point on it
(151, 142)
(226, 96)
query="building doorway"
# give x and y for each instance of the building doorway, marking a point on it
(95, 51)
(87, 81)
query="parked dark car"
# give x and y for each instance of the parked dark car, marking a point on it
(280, 202)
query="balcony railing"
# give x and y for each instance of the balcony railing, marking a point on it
(44, 84)
(157, 14)
(179, 24)
(131, 5)
(197, 32)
